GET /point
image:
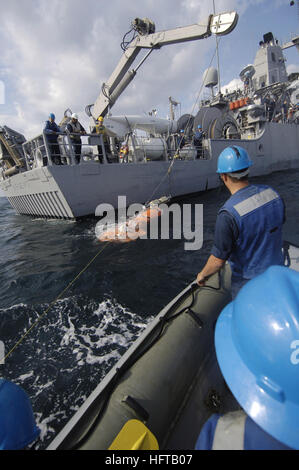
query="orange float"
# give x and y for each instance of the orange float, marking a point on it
(121, 234)
(132, 229)
(147, 215)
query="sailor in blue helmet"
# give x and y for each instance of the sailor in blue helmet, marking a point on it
(17, 424)
(181, 139)
(198, 136)
(198, 133)
(257, 347)
(52, 130)
(248, 230)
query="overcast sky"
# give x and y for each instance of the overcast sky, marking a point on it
(56, 54)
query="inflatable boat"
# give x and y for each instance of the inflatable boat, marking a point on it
(168, 381)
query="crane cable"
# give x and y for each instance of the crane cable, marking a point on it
(169, 170)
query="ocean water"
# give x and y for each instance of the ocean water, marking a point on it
(59, 350)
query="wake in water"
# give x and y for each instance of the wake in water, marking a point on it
(66, 355)
(80, 339)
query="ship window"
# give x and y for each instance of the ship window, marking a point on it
(273, 57)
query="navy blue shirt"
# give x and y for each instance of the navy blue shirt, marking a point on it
(50, 128)
(198, 135)
(226, 235)
(254, 439)
(226, 232)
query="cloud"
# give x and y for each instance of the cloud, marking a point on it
(235, 84)
(58, 54)
(291, 68)
(2, 92)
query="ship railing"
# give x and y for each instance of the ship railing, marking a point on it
(189, 152)
(190, 149)
(145, 154)
(90, 147)
(40, 152)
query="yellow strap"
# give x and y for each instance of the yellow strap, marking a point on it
(135, 436)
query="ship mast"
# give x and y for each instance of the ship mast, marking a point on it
(217, 49)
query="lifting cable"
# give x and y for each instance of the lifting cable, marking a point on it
(169, 170)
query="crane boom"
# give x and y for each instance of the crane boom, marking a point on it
(122, 76)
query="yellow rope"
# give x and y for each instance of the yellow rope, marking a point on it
(54, 302)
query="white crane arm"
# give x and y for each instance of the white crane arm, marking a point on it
(221, 24)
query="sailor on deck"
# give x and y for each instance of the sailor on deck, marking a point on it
(76, 130)
(248, 229)
(181, 139)
(100, 129)
(198, 136)
(257, 347)
(52, 130)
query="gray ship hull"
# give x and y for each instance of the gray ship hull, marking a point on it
(74, 191)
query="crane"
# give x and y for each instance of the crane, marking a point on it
(147, 38)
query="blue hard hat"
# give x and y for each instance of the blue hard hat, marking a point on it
(52, 116)
(257, 346)
(233, 159)
(199, 127)
(182, 130)
(17, 424)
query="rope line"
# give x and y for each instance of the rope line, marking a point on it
(169, 170)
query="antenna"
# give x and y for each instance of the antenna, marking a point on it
(217, 47)
(173, 104)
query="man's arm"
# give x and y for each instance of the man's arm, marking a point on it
(57, 128)
(82, 130)
(226, 232)
(47, 129)
(212, 266)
